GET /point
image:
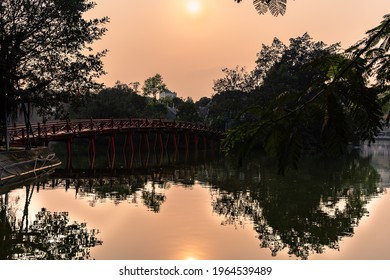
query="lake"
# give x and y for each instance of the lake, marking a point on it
(204, 207)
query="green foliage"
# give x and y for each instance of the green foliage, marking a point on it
(155, 111)
(153, 86)
(188, 112)
(119, 101)
(311, 99)
(224, 107)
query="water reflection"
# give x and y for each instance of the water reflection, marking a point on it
(303, 213)
(48, 236)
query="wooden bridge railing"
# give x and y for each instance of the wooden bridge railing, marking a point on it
(55, 130)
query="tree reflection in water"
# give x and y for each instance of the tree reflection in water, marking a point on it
(303, 213)
(49, 237)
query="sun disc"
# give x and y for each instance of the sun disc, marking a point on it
(193, 6)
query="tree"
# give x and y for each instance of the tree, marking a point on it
(375, 49)
(153, 86)
(267, 58)
(224, 108)
(50, 236)
(45, 53)
(275, 7)
(120, 101)
(235, 79)
(280, 68)
(320, 100)
(155, 110)
(188, 112)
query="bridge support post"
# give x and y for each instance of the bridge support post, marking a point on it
(160, 140)
(129, 143)
(111, 151)
(144, 135)
(69, 142)
(147, 142)
(91, 152)
(166, 143)
(175, 146)
(186, 143)
(196, 145)
(196, 142)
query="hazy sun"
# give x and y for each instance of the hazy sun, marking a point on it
(193, 6)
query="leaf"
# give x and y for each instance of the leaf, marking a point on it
(276, 7)
(261, 6)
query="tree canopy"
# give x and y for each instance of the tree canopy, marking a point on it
(45, 53)
(153, 86)
(314, 97)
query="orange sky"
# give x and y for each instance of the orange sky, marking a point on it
(189, 49)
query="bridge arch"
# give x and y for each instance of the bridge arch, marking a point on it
(149, 133)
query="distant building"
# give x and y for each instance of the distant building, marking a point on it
(167, 93)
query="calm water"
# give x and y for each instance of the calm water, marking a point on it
(190, 208)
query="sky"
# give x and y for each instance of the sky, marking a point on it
(188, 42)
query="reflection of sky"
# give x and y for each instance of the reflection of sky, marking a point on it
(179, 221)
(184, 228)
(371, 237)
(380, 153)
(187, 228)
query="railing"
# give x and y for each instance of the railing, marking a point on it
(56, 129)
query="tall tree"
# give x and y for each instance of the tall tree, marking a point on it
(235, 79)
(45, 53)
(187, 111)
(153, 86)
(318, 100)
(120, 101)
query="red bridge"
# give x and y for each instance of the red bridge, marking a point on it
(164, 133)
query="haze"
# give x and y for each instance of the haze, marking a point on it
(188, 42)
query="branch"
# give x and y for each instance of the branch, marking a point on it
(338, 76)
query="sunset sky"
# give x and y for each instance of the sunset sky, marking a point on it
(188, 42)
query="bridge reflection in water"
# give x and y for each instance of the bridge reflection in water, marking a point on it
(301, 215)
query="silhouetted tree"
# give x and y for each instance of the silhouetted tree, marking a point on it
(313, 98)
(45, 53)
(120, 101)
(237, 79)
(305, 213)
(49, 237)
(224, 108)
(187, 111)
